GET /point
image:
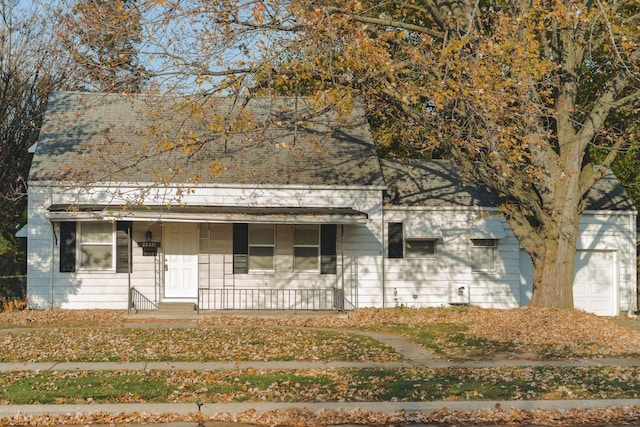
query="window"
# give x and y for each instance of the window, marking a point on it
(396, 246)
(306, 247)
(67, 247)
(314, 248)
(91, 245)
(96, 245)
(261, 247)
(420, 248)
(328, 249)
(401, 247)
(483, 254)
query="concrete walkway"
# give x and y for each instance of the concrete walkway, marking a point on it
(415, 356)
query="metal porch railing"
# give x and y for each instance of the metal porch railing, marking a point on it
(270, 299)
(141, 302)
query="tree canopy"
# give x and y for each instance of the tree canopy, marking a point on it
(517, 92)
(28, 72)
(101, 37)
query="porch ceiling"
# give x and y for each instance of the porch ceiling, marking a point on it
(280, 215)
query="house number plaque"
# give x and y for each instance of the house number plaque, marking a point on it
(149, 248)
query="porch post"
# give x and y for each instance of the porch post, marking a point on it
(129, 249)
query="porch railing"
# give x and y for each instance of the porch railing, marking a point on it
(270, 299)
(141, 302)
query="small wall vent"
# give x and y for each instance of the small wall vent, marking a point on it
(459, 293)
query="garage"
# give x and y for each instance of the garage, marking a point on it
(594, 285)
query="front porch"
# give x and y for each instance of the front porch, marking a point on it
(222, 266)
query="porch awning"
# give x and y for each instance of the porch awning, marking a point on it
(220, 214)
(488, 228)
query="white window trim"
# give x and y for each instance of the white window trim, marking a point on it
(80, 245)
(317, 246)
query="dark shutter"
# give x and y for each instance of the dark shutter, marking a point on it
(67, 247)
(328, 258)
(395, 240)
(240, 248)
(123, 247)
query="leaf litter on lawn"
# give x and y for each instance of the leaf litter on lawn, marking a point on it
(202, 344)
(304, 417)
(557, 332)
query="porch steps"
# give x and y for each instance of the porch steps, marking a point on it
(176, 307)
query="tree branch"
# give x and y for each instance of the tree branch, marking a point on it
(388, 23)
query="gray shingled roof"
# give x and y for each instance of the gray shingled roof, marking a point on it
(439, 183)
(91, 137)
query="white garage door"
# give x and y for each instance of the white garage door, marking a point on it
(594, 282)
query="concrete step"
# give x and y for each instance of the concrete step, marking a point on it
(174, 307)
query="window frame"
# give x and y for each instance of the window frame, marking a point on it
(491, 249)
(414, 254)
(260, 245)
(316, 245)
(80, 246)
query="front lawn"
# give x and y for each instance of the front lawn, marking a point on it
(201, 344)
(321, 385)
(453, 333)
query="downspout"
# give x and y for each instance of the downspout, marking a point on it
(384, 292)
(632, 311)
(54, 241)
(129, 249)
(342, 265)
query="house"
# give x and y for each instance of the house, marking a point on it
(276, 203)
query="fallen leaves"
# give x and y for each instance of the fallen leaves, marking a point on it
(304, 417)
(547, 333)
(202, 344)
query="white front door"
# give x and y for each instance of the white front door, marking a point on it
(181, 261)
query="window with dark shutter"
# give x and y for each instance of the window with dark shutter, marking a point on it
(328, 257)
(240, 248)
(67, 247)
(123, 247)
(395, 240)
